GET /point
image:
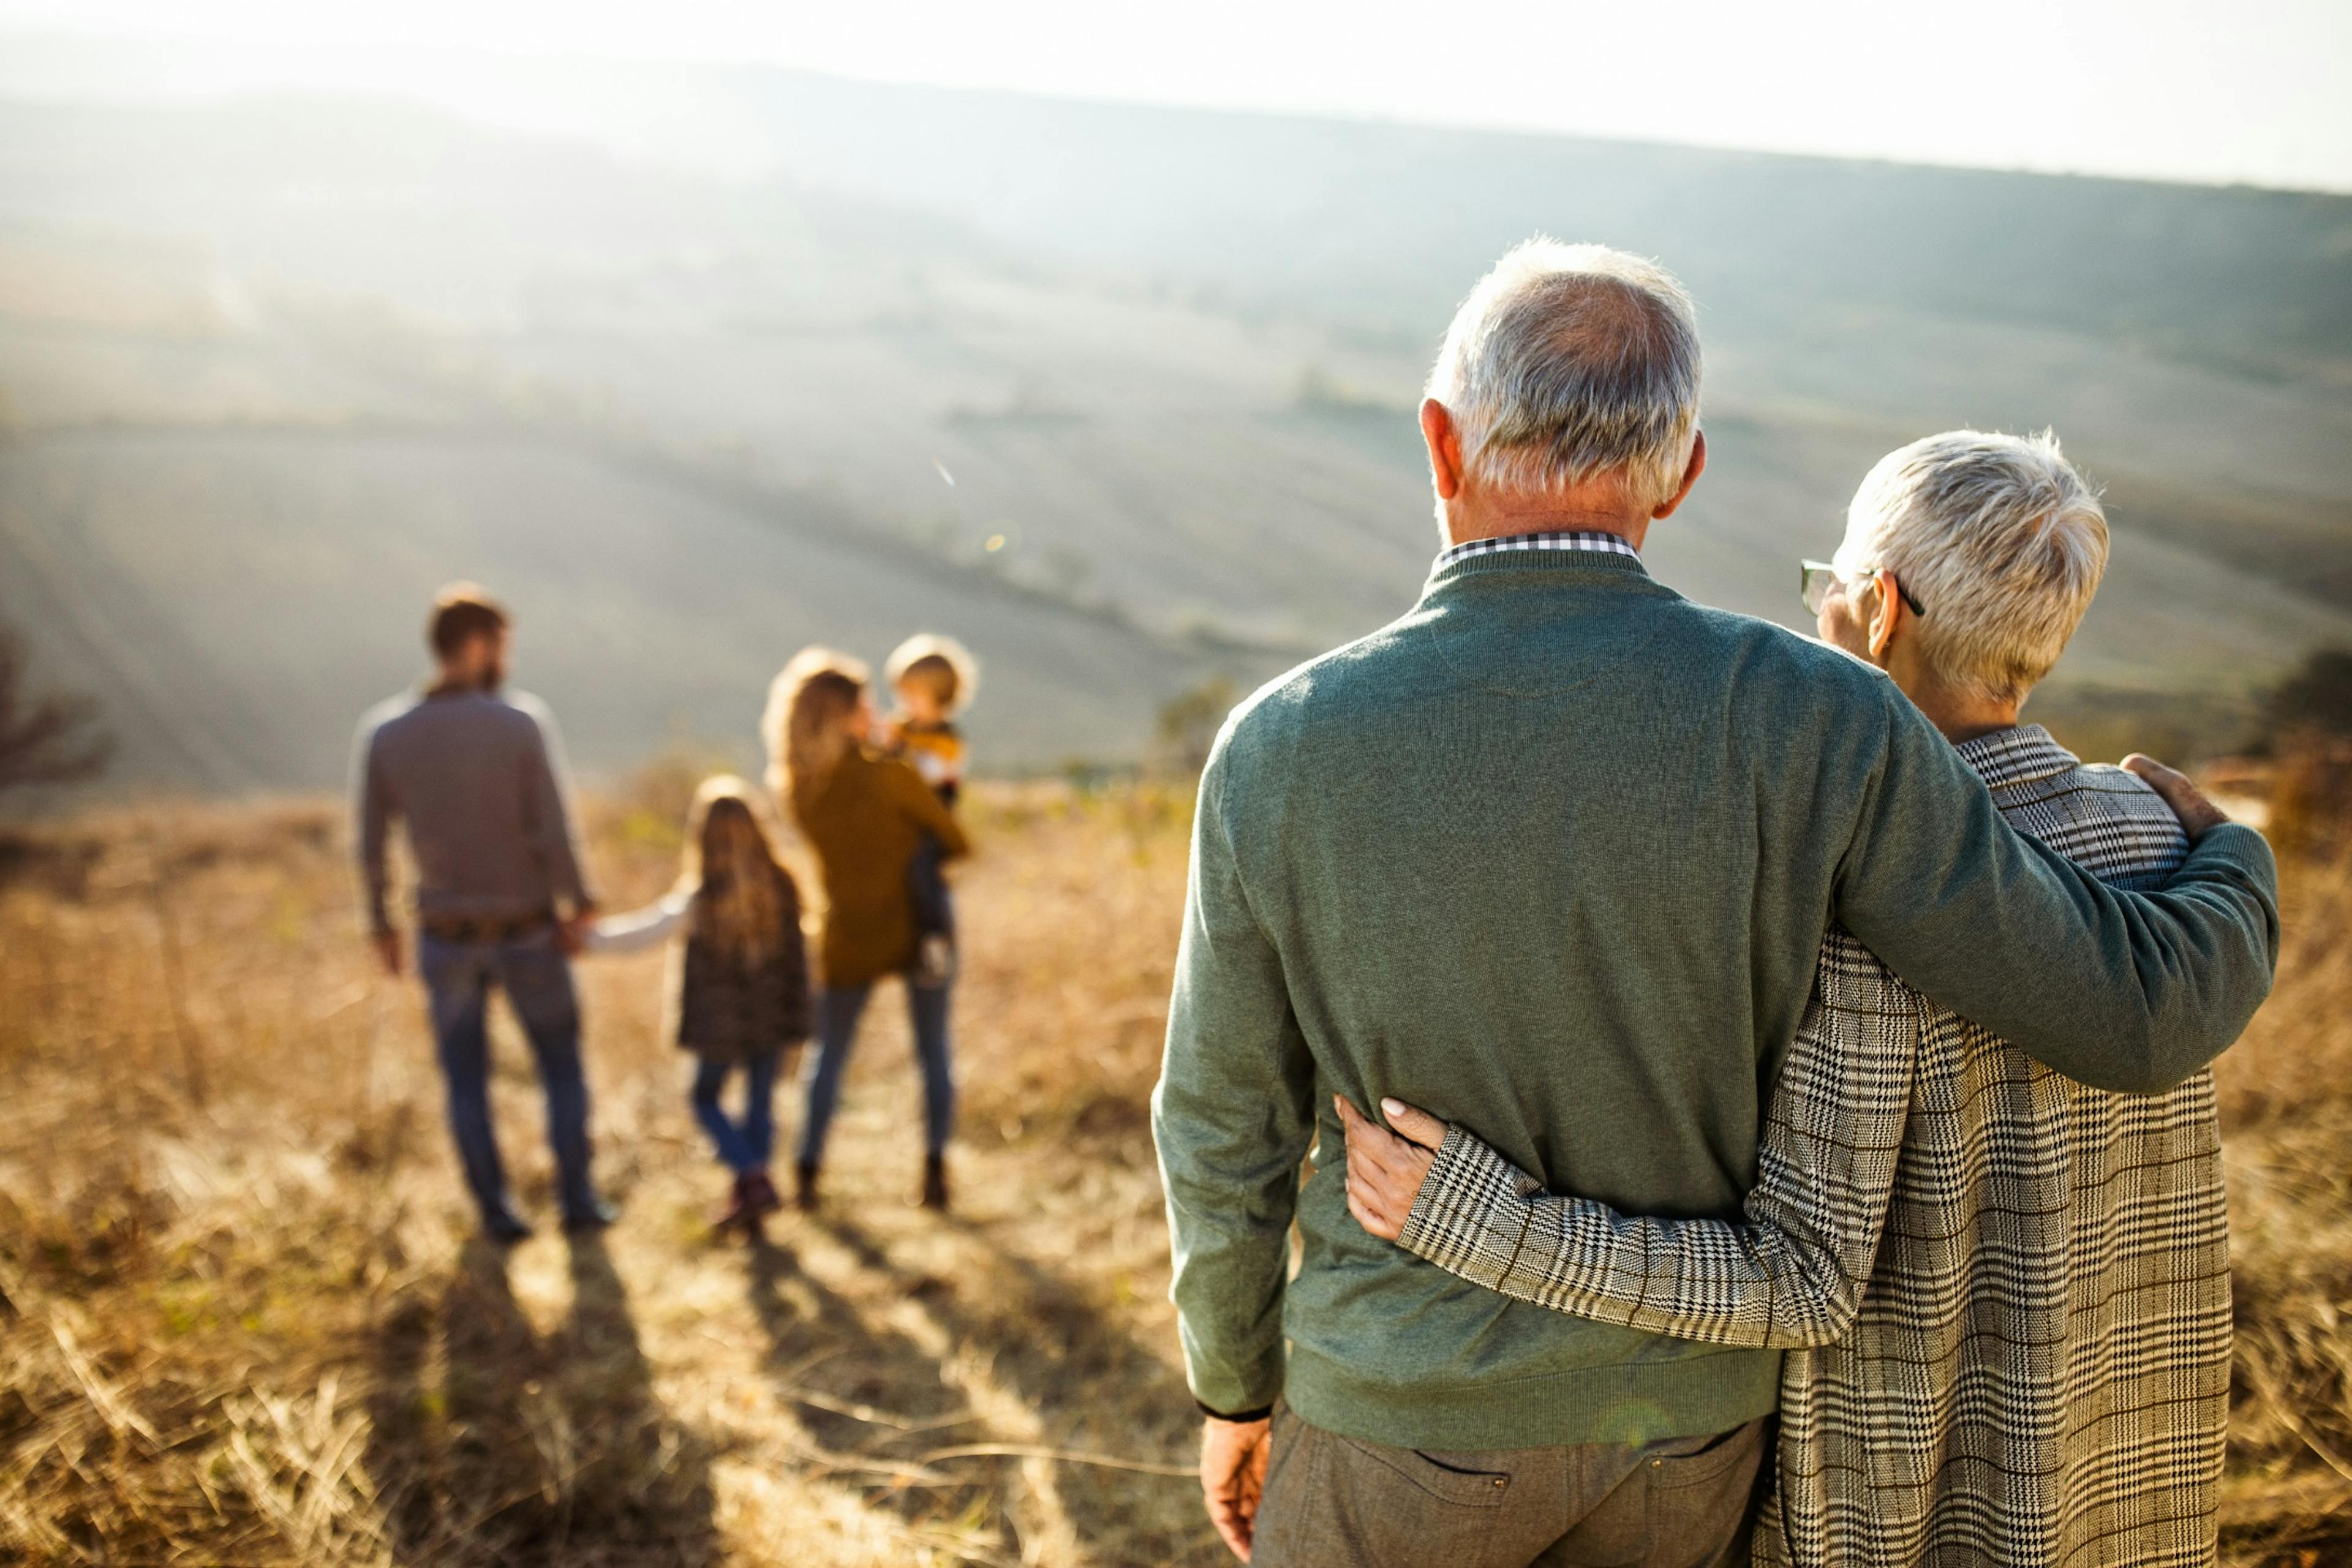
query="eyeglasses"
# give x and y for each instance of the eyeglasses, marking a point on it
(1814, 577)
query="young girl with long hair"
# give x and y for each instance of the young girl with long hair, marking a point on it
(740, 984)
(865, 818)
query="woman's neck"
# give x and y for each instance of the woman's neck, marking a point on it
(1963, 715)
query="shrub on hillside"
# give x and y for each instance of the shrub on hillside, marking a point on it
(2317, 700)
(49, 739)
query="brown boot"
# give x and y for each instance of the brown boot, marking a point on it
(738, 1210)
(935, 1182)
(804, 1188)
(759, 1192)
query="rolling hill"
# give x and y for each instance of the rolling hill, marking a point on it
(1121, 396)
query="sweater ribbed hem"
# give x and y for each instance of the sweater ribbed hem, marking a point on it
(1638, 1402)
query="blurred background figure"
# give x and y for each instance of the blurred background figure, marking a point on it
(934, 679)
(740, 989)
(475, 775)
(865, 816)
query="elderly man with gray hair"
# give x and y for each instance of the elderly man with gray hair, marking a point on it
(1552, 856)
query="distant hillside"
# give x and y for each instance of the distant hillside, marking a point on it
(1351, 219)
(1122, 396)
(234, 596)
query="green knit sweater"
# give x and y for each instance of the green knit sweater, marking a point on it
(1552, 857)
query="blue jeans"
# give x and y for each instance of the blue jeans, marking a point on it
(537, 979)
(743, 1146)
(837, 1011)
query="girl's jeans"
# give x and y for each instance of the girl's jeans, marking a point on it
(743, 1145)
(837, 1011)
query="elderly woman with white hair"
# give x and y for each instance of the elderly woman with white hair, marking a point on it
(2005, 1295)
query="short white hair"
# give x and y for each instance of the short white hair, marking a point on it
(2000, 540)
(1568, 362)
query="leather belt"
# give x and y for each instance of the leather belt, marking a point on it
(485, 927)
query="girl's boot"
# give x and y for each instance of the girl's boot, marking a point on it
(738, 1210)
(759, 1192)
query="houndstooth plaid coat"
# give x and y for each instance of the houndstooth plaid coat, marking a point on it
(2005, 1296)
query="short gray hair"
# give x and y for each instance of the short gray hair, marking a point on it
(1568, 362)
(1998, 537)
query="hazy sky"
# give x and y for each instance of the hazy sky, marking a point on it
(2254, 90)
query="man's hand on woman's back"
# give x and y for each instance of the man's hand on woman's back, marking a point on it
(2198, 816)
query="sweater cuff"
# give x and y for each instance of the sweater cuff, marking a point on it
(1241, 1418)
(2240, 846)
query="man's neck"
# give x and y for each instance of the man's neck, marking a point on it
(1498, 518)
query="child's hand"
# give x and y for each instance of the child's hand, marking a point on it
(575, 935)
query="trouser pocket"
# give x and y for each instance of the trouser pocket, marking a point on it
(1339, 1502)
(1461, 1480)
(1703, 1494)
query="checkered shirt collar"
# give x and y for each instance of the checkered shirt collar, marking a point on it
(2017, 755)
(1554, 539)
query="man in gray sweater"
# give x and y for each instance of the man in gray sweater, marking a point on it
(1552, 856)
(477, 774)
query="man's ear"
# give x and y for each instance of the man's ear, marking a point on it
(1691, 472)
(1444, 445)
(1889, 613)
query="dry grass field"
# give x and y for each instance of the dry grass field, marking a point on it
(242, 1321)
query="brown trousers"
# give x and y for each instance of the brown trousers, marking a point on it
(1335, 1502)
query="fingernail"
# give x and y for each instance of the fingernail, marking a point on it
(1392, 1107)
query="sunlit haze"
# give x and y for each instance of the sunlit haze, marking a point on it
(2259, 92)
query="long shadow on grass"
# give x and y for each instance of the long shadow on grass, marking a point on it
(870, 1397)
(1094, 1387)
(527, 1449)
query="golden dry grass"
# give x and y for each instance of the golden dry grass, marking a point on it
(241, 1320)
(2286, 1118)
(244, 1323)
